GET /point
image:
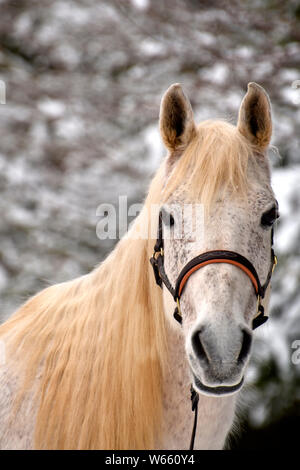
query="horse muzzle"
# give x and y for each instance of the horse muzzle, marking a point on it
(218, 365)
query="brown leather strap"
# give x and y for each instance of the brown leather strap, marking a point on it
(216, 260)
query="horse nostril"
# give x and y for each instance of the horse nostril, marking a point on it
(246, 344)
(197, 345)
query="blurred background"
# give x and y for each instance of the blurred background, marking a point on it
(83, 84)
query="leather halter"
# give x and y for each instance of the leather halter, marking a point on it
(210, 257)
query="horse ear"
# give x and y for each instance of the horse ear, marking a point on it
(254, 120)
(176, 119)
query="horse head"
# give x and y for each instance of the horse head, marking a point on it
(223, 170)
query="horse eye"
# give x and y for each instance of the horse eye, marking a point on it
(269, 217)
(167, 218)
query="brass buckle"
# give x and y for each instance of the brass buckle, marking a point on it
(275, 263)
(160, 252)
(178, 306)
(177, 312)
(257, 306)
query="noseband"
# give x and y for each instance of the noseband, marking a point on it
(209, 257)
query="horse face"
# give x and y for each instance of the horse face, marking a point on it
(218, 302)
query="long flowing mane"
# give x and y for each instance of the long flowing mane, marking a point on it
(216, 160)
(98, 343)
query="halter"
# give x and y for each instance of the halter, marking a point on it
(209, 257)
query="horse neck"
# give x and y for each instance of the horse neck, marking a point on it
(133, 337)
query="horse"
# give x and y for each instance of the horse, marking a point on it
(99, 362)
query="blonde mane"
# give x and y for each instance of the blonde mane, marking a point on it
(215, 162)
(98, 343)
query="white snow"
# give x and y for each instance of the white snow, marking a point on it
(140, 4)
(52, 108)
